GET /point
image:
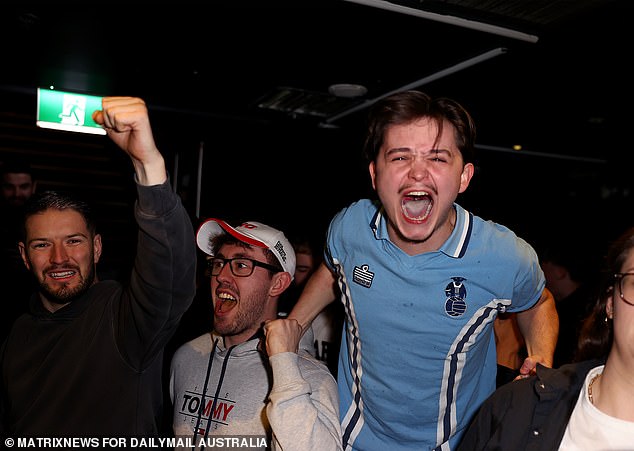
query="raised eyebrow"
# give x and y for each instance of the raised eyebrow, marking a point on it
(246, 256)
(238, 255)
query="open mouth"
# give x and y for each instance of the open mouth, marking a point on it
(417, 206)
(225, 303)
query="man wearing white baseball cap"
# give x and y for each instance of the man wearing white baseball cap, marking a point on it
(253, 233)
(251, 376)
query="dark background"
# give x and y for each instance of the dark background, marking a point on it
(208, 70)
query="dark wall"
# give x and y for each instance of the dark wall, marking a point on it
(88, 166)
(296, 177)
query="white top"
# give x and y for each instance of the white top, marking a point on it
(591, 429)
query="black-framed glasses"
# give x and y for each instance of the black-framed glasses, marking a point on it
(240, 266)
(626, 286)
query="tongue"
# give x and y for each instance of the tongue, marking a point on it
(416, 208)
(225, 306)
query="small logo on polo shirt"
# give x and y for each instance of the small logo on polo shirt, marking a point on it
(362, 276)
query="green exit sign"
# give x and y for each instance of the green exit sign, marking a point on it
(68, 111)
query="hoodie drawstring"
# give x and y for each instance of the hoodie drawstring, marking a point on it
(201, 408)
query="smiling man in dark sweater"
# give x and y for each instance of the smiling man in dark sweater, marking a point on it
(86, 360)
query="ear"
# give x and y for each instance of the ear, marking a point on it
(25, 258)
(465, 177)
(96, 244)
(372, 169)
(609, 305)
(280, 282)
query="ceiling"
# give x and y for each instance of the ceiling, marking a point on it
(524, 68)
(551, 76)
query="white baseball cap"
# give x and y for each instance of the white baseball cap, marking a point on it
(253, 233)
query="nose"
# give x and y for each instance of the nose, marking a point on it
(418, 168)
(59, 254)
(225, 273)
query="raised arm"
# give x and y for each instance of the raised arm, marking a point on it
(163, 282)
(127, 123)
(317, 294)
(540, 327)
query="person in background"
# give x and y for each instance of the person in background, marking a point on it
(422, 280)
(251, 375)
(18, 185)
(579, 406)
(570, 269)
(326, 326)
(86, 359)
(18, 182)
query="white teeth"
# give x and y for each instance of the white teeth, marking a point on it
(59, 275)
(425, 214)
(418, 193)
(420, 218)
(226, 296)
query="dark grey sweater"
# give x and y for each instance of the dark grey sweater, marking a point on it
(93, 368)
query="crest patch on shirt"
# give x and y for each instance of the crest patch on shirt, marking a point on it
(456, 292)
(362, 276)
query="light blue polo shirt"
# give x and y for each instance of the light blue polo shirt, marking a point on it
(418, 353)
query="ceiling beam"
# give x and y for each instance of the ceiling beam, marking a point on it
(435, 76)
(453, 20)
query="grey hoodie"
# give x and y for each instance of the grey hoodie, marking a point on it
(287, 402)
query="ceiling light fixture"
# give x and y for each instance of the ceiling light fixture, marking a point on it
(347, 90)
(416, 84)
